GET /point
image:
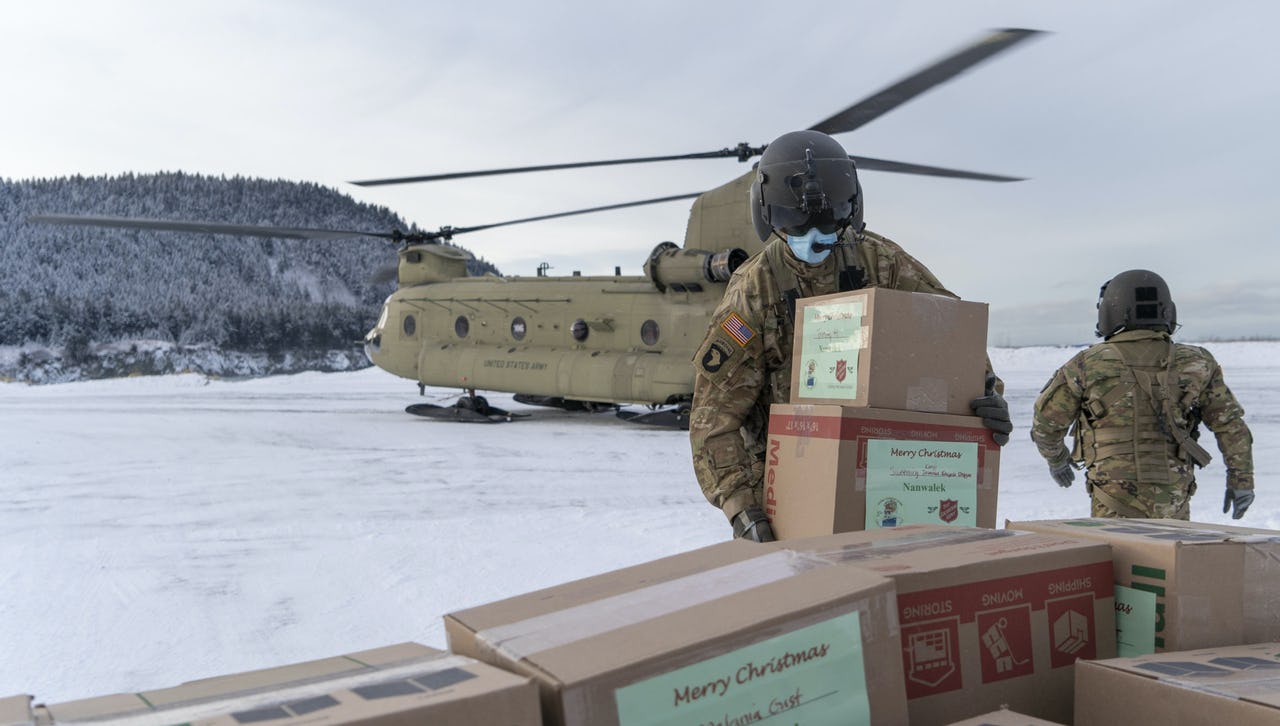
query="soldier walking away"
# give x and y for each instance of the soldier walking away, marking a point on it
(806, 196)
(1134, 403)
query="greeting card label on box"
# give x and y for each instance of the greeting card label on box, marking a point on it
(813, 675)
(833, 340)
(921, 482)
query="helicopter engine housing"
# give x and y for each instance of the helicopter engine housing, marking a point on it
(421, 264)
(688, 270)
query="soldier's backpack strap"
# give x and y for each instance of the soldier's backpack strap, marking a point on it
(1077, 439)
(1159, 394)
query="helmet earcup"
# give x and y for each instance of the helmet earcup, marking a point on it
(756, 203)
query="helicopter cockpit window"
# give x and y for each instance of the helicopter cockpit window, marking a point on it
(649, 332)
(579, 330)
(409, 325)
(461, 326)
(518, 328)
(414, 257)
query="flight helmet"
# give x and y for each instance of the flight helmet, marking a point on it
(805, 179)
(1135, 299)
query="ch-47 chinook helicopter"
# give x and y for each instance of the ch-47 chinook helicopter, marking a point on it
(581, 343)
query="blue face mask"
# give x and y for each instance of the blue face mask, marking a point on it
(802, 246)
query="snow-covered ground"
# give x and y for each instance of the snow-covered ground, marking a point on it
(157, 530)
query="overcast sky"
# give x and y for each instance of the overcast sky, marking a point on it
(1148, 129)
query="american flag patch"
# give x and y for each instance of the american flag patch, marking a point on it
(738, 329)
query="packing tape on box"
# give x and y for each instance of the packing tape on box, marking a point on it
(523, 638)
(929, 395)
(909, 543)
(934, 310)
(417, 676)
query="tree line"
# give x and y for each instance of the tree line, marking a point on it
(70, 286)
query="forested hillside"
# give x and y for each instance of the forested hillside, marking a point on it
(74, 287)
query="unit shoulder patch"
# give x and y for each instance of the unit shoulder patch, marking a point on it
(714, 358)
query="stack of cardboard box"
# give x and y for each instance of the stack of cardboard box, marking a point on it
(919, 624)
(879, 431)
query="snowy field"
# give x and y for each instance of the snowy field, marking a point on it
(157, 530)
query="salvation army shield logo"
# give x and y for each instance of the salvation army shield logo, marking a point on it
(948, 510)
(842, 370)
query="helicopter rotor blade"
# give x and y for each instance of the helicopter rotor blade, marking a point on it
(449, 231)
(853, 117)
(889, 98)
(900, 167)
(741, 152)
(243, 230)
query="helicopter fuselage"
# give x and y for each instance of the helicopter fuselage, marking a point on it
(612, 339)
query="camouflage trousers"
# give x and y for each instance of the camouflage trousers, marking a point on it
(1125, 500)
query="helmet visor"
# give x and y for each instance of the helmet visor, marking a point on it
(797, 221)
(818, 193)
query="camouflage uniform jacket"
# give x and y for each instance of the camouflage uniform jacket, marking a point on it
(1123, 432)
(744, 364)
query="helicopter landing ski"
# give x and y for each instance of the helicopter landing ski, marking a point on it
(565, 404)
(673, 418)
(467, 409)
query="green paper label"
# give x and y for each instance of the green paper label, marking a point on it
(813, 676)
(829, 349)
(1135, 622)
(921, 482)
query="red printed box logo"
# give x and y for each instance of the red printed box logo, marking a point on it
(1071, 630)
(1006, 643)
(931, 657)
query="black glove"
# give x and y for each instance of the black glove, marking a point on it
(994, 411)
(1238, 501)
(1064, 473)
(751, 523)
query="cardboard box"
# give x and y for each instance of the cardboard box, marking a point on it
(392, 685)
(885, 348)
(832, 469)
(1185, 585)
(1004, 717)
(1237, 685)
(732, 633)
(989, 618)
